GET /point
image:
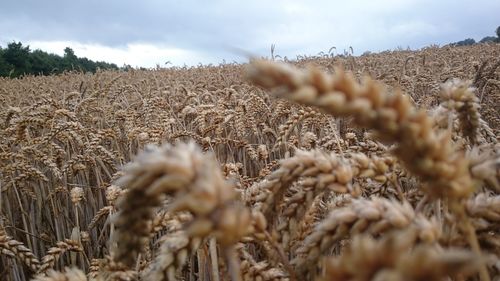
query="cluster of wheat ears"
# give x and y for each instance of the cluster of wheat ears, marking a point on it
(295, 170)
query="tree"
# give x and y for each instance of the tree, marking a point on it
(69, 53)
(42, 63)
(466, 42)
(17, 60)
(70, 59)
(5, 67)
(18, 56)
(488, 39)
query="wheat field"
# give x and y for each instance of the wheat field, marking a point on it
(378, 167)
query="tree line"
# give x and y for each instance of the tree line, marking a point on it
(487, 39)
(17, 60)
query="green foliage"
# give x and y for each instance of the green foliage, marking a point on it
(466, 42)
(5, 67)
(17, 60)
(488, 39)
(18, 56)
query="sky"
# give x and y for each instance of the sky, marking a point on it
(149, 32)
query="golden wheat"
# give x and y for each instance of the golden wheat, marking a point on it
(198, 174)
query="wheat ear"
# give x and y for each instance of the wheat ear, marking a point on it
(18, 250)
(392, 115)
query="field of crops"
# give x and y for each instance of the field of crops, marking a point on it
(296, 170)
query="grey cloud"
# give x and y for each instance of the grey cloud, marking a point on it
(214, 27)
(114, 23)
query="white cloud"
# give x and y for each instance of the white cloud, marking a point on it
(134, 54)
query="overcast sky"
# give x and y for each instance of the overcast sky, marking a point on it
(143, 33)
